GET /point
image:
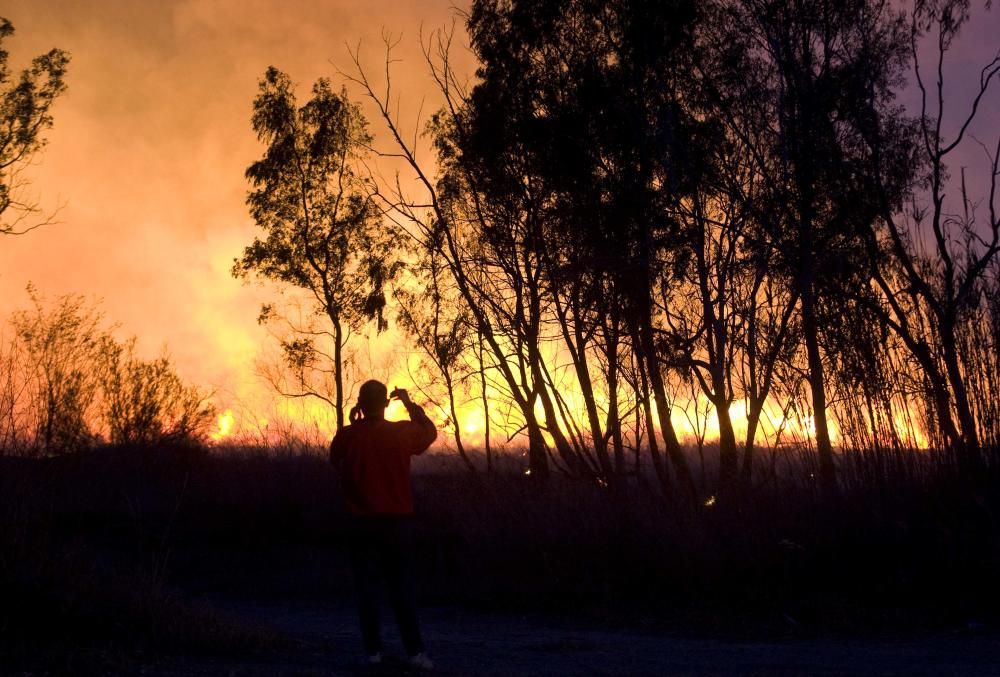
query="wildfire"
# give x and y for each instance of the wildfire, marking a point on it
(694, 419)
(226, 423)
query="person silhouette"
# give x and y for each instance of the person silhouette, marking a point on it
(372, 457)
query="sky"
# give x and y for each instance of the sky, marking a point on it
(149, 148)
(150, 144)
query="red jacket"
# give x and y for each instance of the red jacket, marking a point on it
(373, 459)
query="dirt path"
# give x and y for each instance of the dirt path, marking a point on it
(478, 644)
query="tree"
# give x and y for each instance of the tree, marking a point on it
(544, 129)
(433, 318)
(791, 80)
(505, 316)
(704, 314)
(323, 234)
(25, 114)
(545, 236)
(934, 255)
(82, 386)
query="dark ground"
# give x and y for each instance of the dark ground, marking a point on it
(324, 641)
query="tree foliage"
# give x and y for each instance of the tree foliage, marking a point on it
(322, 231)
(26, 100)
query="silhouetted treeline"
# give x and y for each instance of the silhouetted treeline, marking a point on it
(637, 207)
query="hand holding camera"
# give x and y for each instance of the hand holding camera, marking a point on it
(401, 395)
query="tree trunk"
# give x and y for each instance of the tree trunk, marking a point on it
(486, 409)
(969, 459)
(566, 452)
(642, 285)
(538, 460)
(939, 391)
(753, 420)
(590, 403)
(614, 420)
(454, 422)
(576, 344)
(654, 450)
(670, 441)
(728, 461)
(824, 449)
(338, 370)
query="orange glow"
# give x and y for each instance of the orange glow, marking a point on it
(148, 153)
(147, 157)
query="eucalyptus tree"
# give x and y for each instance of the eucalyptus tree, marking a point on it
(497, 263)
(480, 246)
(26, 101)
(580, 108)
(322, 232)
(506, 127)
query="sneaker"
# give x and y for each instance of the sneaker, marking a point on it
(375, 659)
(421, 661)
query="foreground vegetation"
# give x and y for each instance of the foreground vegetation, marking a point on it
(118, 553)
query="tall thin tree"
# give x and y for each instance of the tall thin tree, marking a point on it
(322, 233)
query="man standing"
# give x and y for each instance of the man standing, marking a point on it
(372, 457)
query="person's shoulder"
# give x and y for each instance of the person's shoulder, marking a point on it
(346, 432)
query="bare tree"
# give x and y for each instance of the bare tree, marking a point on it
(439, 325)
(937, 257)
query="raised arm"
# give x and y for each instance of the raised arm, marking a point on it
(419, 432)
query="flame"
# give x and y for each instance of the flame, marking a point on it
(226, 424)
(693, 417)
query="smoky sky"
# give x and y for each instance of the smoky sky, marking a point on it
(149, 146)
(151, 141)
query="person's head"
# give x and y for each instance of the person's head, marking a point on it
(373, 398)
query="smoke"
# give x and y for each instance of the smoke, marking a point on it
(149, 148)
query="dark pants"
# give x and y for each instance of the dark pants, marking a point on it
(380, 547)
